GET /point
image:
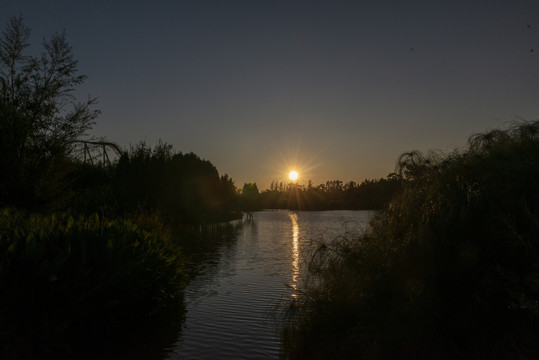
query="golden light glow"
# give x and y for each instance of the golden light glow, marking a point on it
(295, 251)
(293, 175)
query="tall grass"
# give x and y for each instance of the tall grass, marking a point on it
(65, 281)
(449, 270)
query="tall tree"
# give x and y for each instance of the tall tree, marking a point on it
(39, 115)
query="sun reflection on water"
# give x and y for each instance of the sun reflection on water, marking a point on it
(295, 251)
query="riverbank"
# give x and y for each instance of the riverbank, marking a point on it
(448, 270)
(70, 283)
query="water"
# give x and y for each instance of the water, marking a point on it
(244, 276)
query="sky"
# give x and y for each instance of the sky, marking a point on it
(336, 90)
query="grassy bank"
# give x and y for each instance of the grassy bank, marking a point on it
(449, 270)
(68, 282)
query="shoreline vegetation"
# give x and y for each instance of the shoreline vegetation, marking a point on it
(68, 282)
(371, 194)
(92, 253)
(450, 269)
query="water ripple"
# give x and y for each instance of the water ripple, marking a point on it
(228, 302)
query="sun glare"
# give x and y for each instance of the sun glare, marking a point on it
(293, 175)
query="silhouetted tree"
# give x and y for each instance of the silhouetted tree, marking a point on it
(249, 197)
(331, 195)
(39, 115)
(183, 186)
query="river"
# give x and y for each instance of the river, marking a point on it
(245, 276)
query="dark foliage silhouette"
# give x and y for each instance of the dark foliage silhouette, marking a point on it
(185, 187)
(448, 270)
(39, 116)
(87, 258)
(332, 195)
(70, 282)
(250, 197)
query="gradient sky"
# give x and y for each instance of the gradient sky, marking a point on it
(337, 89)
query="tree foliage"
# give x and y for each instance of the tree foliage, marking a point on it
(183, 187)
(450, 269)
(334, 194)
(39, 115)
(70, 282)
(249, 197)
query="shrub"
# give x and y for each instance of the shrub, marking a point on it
(183, 187)
(66, 279)
(449, 270)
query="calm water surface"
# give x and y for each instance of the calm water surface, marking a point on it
(229, 303)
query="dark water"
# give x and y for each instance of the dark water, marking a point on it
(245, 275)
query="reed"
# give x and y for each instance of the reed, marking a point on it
(450, 269)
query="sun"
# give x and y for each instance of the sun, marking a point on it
(293, 175)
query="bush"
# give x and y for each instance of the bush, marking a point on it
(67, 280)
(183, 187)
(449, 270)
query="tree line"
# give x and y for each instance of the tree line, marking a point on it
(371, 194)
(87, 251)
(40, 123)
(183, 187)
